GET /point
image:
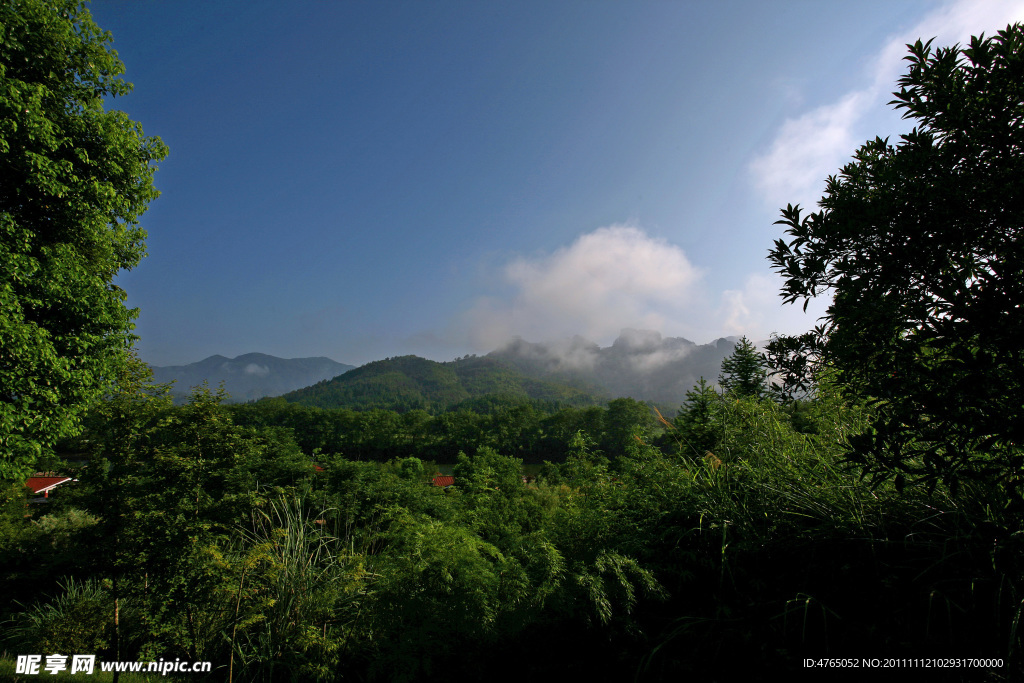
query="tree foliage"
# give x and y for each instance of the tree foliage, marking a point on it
(921, 245)
(743, 372)
(215, 540)
(74, 179)
(696, 424)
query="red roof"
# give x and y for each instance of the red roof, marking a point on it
(45, 484)
(443, 480)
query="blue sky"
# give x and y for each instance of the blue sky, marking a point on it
(360, 180)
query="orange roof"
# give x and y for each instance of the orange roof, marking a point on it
(443, 480)
(45, 484)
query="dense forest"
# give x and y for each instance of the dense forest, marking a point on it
(268, 539)
(851, 496)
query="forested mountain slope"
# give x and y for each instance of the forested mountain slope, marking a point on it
(640, 364)
(409, 382)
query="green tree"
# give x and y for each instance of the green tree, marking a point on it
(743, 372)
(411, 468)
(626, 422)
(921, 245)
(74, 179)
(202, 479)
(697, 423)
(117, 436)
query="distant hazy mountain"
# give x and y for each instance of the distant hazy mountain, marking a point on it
(250, 376)
(410, 382)
(640, 364)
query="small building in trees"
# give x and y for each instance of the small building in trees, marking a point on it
(43, 483)
(443, 480)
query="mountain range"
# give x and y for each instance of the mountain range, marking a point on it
(640, 364)
(249, 376)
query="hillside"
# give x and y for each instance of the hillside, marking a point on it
(249, 376)
(410, 382)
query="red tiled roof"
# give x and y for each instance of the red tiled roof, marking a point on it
(45, 484)
(443, 480)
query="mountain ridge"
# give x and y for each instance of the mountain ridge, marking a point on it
(640, 364)
(410, 382)
(249, 376)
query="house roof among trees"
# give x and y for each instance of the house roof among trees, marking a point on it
(443, 480)
(44, 484)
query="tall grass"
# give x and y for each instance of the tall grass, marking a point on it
(77, 619)
(299, 591)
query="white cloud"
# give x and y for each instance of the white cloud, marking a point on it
(816, 144)
(806, 150)
(258, 370)
(757, 310)
(619, 277)
(611, 278)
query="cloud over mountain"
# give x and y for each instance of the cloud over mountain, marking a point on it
(640, 363)
(613, 277)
